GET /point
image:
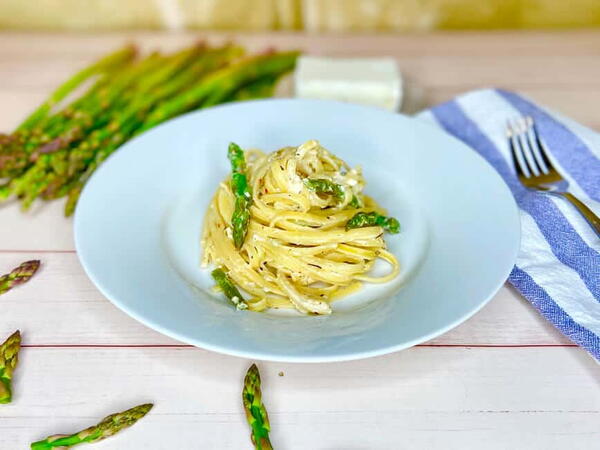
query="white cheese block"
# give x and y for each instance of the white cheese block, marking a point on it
(370, 81)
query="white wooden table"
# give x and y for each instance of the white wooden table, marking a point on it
(505, 379)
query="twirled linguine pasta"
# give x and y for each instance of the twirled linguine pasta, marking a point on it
(297, 252)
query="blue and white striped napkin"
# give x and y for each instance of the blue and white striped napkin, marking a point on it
(558, 267)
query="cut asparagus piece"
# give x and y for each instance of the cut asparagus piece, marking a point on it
(256, 413)
(326, 187)
(19, 275)
(240, 218)
(371, 219)
(109, 426)
(355, 202)
(9, 357)
(229, 289)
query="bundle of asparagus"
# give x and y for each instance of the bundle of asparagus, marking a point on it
(56, 149)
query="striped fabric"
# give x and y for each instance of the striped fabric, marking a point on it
(558, 267)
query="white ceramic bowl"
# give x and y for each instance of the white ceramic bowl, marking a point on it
(138, 224)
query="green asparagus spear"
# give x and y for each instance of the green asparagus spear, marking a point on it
(355, 202)
(229, 289)
(218, 86)
(19, 275)
(322, 186)
(243, 198)
(256, 413)
(363, 219)
(109, 426)
(85, 159)
(121, 56)
(52, 154)
(236, 157)
(83, 130)
(9, 357)
(261, 88)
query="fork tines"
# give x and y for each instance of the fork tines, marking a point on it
(528, 153)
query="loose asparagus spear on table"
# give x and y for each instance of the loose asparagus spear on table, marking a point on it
(256, 413)
(109, 426)
(371, 219)
(243, 198)
(229, 289)
(9, 357)
(19, 275)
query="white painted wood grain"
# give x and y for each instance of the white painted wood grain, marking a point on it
(61, 306)
(422, 398)
(557, 68)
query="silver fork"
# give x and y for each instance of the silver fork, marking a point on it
(536, 171)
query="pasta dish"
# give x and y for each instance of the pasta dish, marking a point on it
(293, 229)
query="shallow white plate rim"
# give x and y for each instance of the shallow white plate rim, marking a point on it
(106, 291)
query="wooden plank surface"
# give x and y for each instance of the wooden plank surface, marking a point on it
(69, 310)
(503, 379)
(421, 398)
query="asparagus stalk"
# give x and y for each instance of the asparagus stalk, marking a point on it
(256, 413)
(219, 85)
(53, 155)
(109, 426)
(114, 59)
(229, 289)
(326, 187)
(18, 275)
(261, 88)
(128, 124)
(9, 357)
(93, 114)
(355, 202)
(371, 219)
(240, 218)
(68, 127)
(163, 86)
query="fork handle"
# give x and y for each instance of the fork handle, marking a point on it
(586, 212)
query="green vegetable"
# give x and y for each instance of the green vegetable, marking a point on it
(114, 59)
(363, 219)
(220, 85)
(261, 88)
(19, 275)
(326, 187)
(109, 426)
(9, 357)
(256, 413)
(240, 218)
(355, 202)
(57, 149)
(229, 289)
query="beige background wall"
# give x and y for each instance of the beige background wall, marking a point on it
(313, 15)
